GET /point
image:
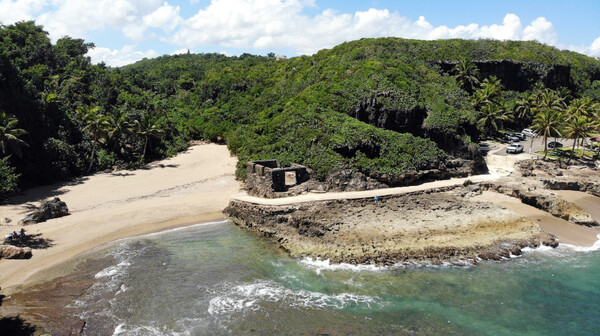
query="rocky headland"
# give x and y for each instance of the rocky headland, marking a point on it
(449, 224)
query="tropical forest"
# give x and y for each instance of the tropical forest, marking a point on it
(381, 107)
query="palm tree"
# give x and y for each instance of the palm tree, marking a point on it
(550, 100)
(466, 74)
(9, 135)
(525, 106)
(576, 128)
(582, 107)
(490, 92)
(547, 123)
(491, 117)
(96, 125)
(119, 126)
(148, 127)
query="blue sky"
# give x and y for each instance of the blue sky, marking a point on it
(125, 31)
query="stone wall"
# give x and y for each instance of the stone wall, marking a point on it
(266, 179)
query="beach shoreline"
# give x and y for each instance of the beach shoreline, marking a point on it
(190, 188)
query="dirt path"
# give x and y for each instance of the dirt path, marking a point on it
(360, 194)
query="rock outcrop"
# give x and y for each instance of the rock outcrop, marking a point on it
(552, 204)
(48, 209)
(520, 76)
(426, 226)
(13, 252)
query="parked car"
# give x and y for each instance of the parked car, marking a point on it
(512, 137)
(529, 132)
(554, 144)
(515, 148)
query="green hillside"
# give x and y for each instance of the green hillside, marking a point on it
(380, 106)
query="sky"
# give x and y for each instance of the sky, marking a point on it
(125, 31)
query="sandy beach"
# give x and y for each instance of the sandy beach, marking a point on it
(192, 187)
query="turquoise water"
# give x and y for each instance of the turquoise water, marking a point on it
(216, 279)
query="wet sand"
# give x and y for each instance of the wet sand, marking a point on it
(565, 231)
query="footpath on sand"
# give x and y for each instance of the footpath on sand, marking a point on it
(311, 197)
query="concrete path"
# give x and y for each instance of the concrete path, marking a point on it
(361, 194)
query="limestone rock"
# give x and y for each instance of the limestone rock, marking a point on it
(48, 209)
(13, 252)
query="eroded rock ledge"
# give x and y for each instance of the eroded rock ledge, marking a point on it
(432, 226)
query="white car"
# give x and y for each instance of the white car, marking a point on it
(529, 132)
(514, 148)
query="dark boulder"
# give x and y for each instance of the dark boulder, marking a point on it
(48, 209)
(13, 252)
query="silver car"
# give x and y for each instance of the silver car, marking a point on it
(514, 148)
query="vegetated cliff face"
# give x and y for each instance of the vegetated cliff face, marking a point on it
(463, 158)
(520, 76)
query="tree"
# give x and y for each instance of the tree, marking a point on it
(119, 128)
(524, 107)
(467, 75)
(489, 93)
(491, 117)
(96, 125)
(9, 135)
(547, 123)
(148, 127)
(582, 107)
(576, 128)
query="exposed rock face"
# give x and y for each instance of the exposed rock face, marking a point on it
(13, 252)
(48, 209)
(464, 159)
(520, 76)
(560, 176)
(433, 226)
(372, 111)
(348, 179)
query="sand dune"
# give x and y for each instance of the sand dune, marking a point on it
(190, 188)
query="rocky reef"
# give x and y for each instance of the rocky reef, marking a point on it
(427, 226)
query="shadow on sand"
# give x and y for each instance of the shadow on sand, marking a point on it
(34, 241)
(28, 197)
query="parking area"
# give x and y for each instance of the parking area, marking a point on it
(530, 147)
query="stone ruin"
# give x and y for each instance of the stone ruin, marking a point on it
(266, 179)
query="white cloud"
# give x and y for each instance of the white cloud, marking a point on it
(165, 17)
(74, 18)
(259, 24)
(124, 56)
(595, 48)
(18, 10)
(541, 30)
(273, 24)
(181, 51)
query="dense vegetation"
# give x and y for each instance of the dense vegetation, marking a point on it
(61, 116)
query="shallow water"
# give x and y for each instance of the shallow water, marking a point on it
(216, 279)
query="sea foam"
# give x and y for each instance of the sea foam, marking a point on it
(248, 297)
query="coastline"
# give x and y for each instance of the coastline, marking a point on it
(190, 188)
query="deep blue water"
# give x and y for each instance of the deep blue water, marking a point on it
(216, 279)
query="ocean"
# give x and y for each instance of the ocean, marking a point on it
(216, 279)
